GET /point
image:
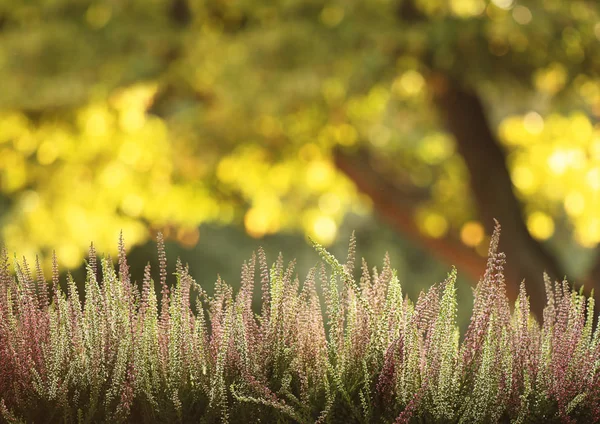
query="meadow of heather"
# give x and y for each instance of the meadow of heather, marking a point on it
(360, 353)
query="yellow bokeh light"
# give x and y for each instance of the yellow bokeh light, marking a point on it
(590, 91)
(467, 8)
(15, 176)
(227, 170)
(346, 134)
(593, 178)
(96, 121)
(133, 205)
(331, 16)
(558, 161)
(281, 177)
(136, 97)
(472, 233)
(432, 223)
(380, 135)
(319, 174)
(47, 153)
(309, 152)
(540, 225)
(29, 201)
(26, 143)
(581, 129)
(112, 175)
(503, 4)
(188, 237)
(522, 15)
(329, 203)
(264, 217)
(533, 123)
(410, 83)
(12, 125)
(98, 15)
(132, 120)
(69, 255)
(524, 179)
(436, 148)
(324, 229)
(130, 153)
(574, 203)
(551, 79)
(588, 233)
(256, 223)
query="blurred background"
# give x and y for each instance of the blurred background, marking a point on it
(233, 124)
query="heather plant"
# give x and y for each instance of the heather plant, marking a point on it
(359, 353)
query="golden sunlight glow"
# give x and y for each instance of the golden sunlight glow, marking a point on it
(15, 173)
(133, 204)
(467, 8)
(410, 83)
(431, 223)
(588, 234)
(69, 255)
(551, 79)
(132, 120)
(264, 217)
(188, 237)
(324, 229)
(524, 179)
(472, 233)
(593, 178)
(436, 148)
(47, 153)
(503, 4)
(256, 223)
(329, 203)
(581, 129)
(559, 161)
(318, 174)
(227, 170)
(540, 225)
(96, 121)
(13, 126)
(533, 123)
(574, 203)
(522, 15)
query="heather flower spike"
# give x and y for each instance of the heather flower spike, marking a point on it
(129, 354)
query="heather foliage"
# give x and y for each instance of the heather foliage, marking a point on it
(360, 353)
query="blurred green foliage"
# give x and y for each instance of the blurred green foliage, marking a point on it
(159, 114)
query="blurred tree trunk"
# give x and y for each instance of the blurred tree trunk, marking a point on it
(491, 186)
(464, 116)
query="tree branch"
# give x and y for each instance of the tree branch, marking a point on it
(396, 204)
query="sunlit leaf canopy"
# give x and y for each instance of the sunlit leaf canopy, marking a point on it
(139, 114)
